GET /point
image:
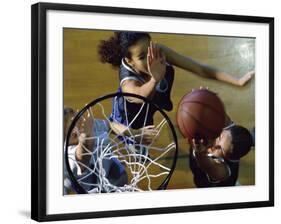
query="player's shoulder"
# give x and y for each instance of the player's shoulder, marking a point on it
(126, 73)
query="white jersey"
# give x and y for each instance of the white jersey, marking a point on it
(74, 167)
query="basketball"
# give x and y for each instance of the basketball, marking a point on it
(200, 115)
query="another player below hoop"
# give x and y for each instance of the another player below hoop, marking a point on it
(217, 164)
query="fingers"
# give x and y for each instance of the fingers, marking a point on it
(154, 51)
(202, 87)
(82, 138)
(195, 145)
(251, 73)
(151, 50)
(196, 142)
(155, 64)
(148, 59)
(149, 54)
(247, 77)
(159, 55)
(198, 145)
(149, 127)
(148, 64)
(148, 138)
(150, 132)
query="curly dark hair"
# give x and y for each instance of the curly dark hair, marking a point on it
(116, 47)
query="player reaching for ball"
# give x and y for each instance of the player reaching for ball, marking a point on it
(201, 118)
(145, 68)
(217, 164)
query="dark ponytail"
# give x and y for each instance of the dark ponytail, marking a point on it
(116, 47)
(110, 51)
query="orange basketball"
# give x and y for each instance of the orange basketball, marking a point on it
(200, 115)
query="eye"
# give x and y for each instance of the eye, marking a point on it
(142, 55)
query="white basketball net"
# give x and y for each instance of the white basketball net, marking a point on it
(146, 165)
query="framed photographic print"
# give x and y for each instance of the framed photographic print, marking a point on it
(138, 111)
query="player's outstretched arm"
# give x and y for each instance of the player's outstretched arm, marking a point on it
(146, 134)
(203, 70)
(85, 145)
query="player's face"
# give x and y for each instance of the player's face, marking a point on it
(138, 60)
(223, 145)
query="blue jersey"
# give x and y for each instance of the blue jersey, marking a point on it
(125, 112)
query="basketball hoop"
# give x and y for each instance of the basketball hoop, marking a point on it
(122, 162)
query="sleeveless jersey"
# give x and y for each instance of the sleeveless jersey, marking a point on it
(125, 112)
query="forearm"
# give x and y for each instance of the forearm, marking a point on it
(207, 71)
(146, 90)
(79, 152)
(81, 156)
(83, 150)
(227, 78)
(121, 129)
(203, 161)
(215, 170)
(210, 72)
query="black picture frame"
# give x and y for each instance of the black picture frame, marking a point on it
(39, 112)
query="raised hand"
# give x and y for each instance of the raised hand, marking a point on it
(247, 77)
(156, 62)
(81, 131)
(84, 129)
(198, 146)
(147, 134)
(69, 115)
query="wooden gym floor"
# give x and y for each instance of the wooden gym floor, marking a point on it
(85, 78)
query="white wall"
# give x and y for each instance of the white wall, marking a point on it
(15, 109)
